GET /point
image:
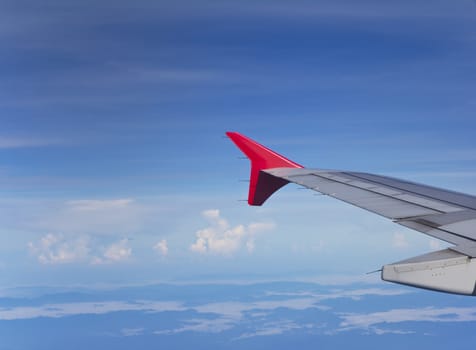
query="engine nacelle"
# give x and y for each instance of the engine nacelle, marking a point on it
(445, 271)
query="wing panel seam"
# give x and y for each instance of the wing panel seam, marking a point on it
(408, 191)
(377, 193)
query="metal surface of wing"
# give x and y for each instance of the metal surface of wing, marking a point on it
(443, 214)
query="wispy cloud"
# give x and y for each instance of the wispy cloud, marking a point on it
(99, 205)
(26, 142)
(367, 10)
(221, 238)
(177, 75)
(94, 216)
(131, 332)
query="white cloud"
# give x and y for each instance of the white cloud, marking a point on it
(218, 317)
(214, 325)
(58, 249)
(130, 332)
(66, 249)
(275, 328)
(380, 331)
(227, 312)
(221, 238)
(199, 246)
(161, 247)
(355, 294)
(99, 205)
(231, 313)
(84, 308)
(235, 310)
(399, 240)
(368, 321)
(117, 251)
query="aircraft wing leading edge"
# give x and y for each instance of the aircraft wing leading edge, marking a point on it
(443, 214)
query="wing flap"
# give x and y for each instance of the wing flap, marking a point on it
(450, 237)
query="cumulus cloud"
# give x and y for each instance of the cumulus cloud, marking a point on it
(220, 238)
(66, 249)
(116, 252)
(58, 249)
(161, 247)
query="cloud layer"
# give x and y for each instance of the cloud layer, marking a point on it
(269, 312)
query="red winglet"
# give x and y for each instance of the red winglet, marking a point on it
(262, 185)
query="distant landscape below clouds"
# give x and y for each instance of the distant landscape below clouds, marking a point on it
(232, 315)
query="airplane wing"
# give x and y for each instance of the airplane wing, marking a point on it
(443, 214)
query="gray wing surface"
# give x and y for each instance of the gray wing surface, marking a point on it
(443, 214)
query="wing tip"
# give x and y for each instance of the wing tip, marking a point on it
(262, 155)
(262, 185)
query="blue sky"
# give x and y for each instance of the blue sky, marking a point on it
(121, 224)
(113, 164)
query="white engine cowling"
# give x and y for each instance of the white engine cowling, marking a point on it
(445, 271)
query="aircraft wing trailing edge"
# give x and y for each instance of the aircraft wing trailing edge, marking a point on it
(443, 214)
